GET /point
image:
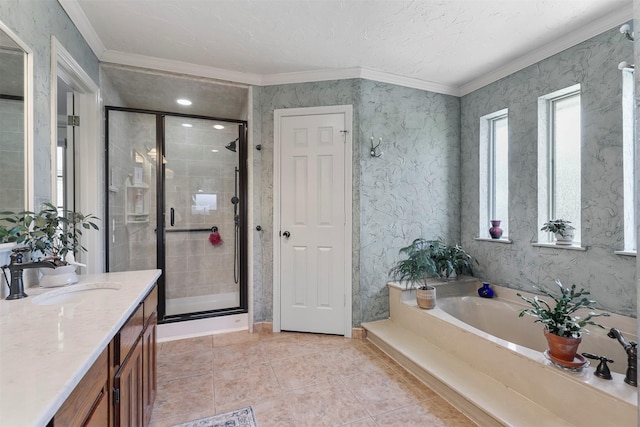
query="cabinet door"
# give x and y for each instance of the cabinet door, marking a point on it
(127, 384)
(100, 415)
(149, 366)
(86, 404)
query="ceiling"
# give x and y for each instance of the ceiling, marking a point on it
(447, 46)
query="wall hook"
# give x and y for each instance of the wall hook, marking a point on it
(374, 149)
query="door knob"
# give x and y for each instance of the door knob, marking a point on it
(286, 234)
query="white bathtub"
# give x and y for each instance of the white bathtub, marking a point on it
(499, 317)
(467, 346)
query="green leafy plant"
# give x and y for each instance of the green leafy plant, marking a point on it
(559, 226)
(561, 319)
(452, 258)
(431, 258)
(11, 230)
(419, 264)
(52, 233)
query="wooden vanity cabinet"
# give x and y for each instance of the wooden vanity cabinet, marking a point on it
(150, 364)
(134, 355)
(88, 404)
(123, 377)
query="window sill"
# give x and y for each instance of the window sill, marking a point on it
(625, 253)
(487, 239)
(555, 246)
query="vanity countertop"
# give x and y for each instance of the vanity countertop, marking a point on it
(45, 350)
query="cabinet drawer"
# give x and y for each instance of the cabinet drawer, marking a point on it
(86, 403)
(150, 304)
(129, 334)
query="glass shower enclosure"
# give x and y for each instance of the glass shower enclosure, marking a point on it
(176, 189)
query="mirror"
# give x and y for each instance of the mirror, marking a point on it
(15, 123)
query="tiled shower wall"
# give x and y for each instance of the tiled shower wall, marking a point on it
(132, 246)
(194, 266)
(11, 155)
(609, 277)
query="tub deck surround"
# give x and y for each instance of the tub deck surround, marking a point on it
(45, 350)
(493, 381)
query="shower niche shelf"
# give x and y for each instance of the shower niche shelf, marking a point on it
(137, 203)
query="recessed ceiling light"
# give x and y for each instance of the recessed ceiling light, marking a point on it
(184, 102)
(214, 151)
(187, 125)
(218, 127)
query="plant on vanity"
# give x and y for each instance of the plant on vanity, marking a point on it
(10, 231)
(57, 235)
(560, 321)
(562, 228)
(50, 233)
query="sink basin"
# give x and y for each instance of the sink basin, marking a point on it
(75, 294)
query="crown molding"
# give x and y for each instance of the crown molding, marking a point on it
(356, 73)
(134, 60)
(80, 20)
(411, 82)
(600, 25)
(311, 76)
(72, 8)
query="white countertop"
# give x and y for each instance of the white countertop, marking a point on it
(45, 350)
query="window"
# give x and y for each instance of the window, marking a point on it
(494, 172)
(628, 158)
(559, 147)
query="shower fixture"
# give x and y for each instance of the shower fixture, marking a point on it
(626, 31)
(232, 145)
(236, 220)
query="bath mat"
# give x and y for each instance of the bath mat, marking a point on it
(239, 418)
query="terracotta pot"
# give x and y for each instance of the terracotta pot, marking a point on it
(562, 348)
(426, 298)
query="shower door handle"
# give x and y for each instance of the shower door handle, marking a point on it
(172, 216)
(286, 234)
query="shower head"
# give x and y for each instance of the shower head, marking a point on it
(232, 145)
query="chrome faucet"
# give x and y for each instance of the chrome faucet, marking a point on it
(632, 356)
(16, 266)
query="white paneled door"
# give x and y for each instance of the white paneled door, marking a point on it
(312, 229)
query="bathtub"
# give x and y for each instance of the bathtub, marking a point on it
(498, 317)
(488, 362)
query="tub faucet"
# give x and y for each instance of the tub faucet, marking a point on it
(16, 266)
(632, 356)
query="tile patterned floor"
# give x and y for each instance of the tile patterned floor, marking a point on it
(293, 380)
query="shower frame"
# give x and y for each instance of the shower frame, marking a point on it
(160, 228)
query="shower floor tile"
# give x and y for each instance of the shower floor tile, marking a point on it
(295, 380)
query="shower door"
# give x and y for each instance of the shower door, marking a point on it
(203, 215)
(176, 188)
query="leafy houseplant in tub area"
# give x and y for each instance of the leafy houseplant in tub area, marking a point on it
(54, 236)
(562, 229)
(563, 328)
(450, 259)
(430, 259)
(416, 269)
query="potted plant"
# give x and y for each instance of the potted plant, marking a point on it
(563, 328)
(451, 259)
(54, 236)
(417, 268)
(11, 231)
(562, 229)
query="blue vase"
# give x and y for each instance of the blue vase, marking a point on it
(485, 291)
